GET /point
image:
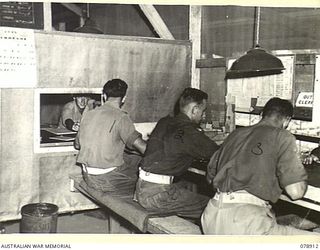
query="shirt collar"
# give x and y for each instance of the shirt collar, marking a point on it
(183, 117)
(107, 105)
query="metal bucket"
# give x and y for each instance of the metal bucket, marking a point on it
(39, 218)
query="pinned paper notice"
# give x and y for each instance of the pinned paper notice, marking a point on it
(305, 99)
(17, 58)
(243, 104)
(262, 100)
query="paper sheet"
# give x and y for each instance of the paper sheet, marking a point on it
(59, 131)
(17, 58)
(283, 82)
(243, 104)
(305, 99)
(62, 138)
(262, 100)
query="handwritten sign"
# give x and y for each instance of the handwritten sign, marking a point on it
(305, 99)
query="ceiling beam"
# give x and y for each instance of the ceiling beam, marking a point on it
(156, 21)
(74, 8)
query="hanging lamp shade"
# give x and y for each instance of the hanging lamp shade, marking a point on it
(89, 27)
(256, 62)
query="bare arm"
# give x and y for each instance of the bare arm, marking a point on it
(140, 145)
(296, 190)
(76, 142)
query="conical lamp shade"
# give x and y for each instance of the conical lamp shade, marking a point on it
(89, 27)
(256, 62)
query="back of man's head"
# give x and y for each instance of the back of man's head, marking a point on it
(115, 88)
(190, 95)
(277, 107)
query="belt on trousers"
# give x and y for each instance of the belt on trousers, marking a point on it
(96, 171)
(155, 178)
(241, 196)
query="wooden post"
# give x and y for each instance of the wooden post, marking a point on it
(316, 94)
(47, 16)
(195, 14)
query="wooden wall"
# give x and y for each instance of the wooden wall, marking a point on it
(128, 20)
(156, 71)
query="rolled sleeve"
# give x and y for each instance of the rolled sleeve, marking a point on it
(127, 131)
(132, 138)
(290, 169)
(66, 113)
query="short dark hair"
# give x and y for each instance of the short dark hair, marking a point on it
(192, 95)
(115, 88)
(278, 107)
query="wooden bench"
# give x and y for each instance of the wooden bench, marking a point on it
(145, 221)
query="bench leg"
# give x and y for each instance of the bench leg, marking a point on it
(116, 226)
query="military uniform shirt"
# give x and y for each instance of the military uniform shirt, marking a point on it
(174, 144)
(260, 159)
(104, 132)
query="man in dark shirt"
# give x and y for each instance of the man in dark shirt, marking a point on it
(173, 145)
(253, 167)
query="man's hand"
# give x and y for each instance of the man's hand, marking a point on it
(76, 126)
(309, 159)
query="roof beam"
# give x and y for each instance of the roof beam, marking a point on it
(156, 21)
(74, 8)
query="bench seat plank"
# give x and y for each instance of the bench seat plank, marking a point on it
(145, 221)
(172, 225)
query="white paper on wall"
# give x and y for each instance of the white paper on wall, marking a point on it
(17, 58)
(305, 99)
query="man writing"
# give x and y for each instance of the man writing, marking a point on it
(173, 145)
(253, 167)
(102, 138)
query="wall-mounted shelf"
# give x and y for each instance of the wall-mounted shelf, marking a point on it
(307, 138)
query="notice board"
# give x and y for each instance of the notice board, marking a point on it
(21, 15)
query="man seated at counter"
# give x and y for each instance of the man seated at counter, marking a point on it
(103, 135)
(254, 165)
(72, 111)
(172, 146)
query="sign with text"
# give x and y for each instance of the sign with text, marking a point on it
(17, 58)
(305, 99)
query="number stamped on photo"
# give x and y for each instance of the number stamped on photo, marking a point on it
(309, 246)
